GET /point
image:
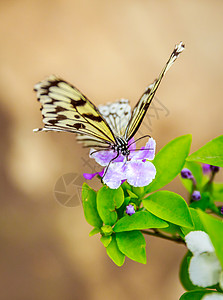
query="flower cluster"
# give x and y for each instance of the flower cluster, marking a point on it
(206, 168)
(137, 170)
(186, 174)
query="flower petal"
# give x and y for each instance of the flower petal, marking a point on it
(90, 176)
(204, 269)
(206, 168)
(132, 144)
(140, 173)
(130, 210)
(104, 157)
(213, 296)
(221, 280)
(114, 175)
(147, 152)
(199, 242)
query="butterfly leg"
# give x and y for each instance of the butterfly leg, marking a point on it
(106, 169)
(103, 149)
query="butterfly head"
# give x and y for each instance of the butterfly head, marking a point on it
(125, 151)
(122, 146)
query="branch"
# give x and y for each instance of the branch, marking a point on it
(163, 236)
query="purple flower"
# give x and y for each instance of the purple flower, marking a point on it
(206, 168)
(130, 210)
(186, 174)
(222, 210)
(196, 195)
(215, 169)
(89, 176)
(137, 170)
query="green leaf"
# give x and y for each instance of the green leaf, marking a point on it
(121, 210)
(195, 295)
(217, 191)
(94, 231)
(169, 161)
(139, 220)
(125, 186)
(132, 244)
(203, 203)
(106, 230)
(107, 201)
(214, 228)
(90, 206)
(213, 207)
(132, 195)
(139, 191)
(184, 275)
(211, 153)
(106, 240)
(169, 206)
(198, 225)
(173, 229)
(114, 253)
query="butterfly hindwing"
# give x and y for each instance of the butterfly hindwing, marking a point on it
(65, 108)
(144, 102)
(117, 115)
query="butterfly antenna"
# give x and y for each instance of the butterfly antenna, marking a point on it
(143, 149)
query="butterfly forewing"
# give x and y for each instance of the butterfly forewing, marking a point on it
(117, 115)
(144, 102)
(65, 108)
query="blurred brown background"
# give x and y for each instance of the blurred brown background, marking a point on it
(109, 50)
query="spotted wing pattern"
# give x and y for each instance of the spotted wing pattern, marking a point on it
(117, 115)
(65, 108)
(144, 102)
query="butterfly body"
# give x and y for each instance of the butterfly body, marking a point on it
(121, 146)
(108, 127)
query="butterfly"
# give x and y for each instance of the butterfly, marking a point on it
(108, 127)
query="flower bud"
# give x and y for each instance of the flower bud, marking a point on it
(130, 210)
(186, 174)
(215, 169)
(196, 195)
(206, 168)
(106, 230)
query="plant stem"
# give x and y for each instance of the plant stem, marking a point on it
(208, 185)
(163, 236)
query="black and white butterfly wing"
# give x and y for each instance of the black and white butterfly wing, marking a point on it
(65, 108)
(144, 102)
(117, 115)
